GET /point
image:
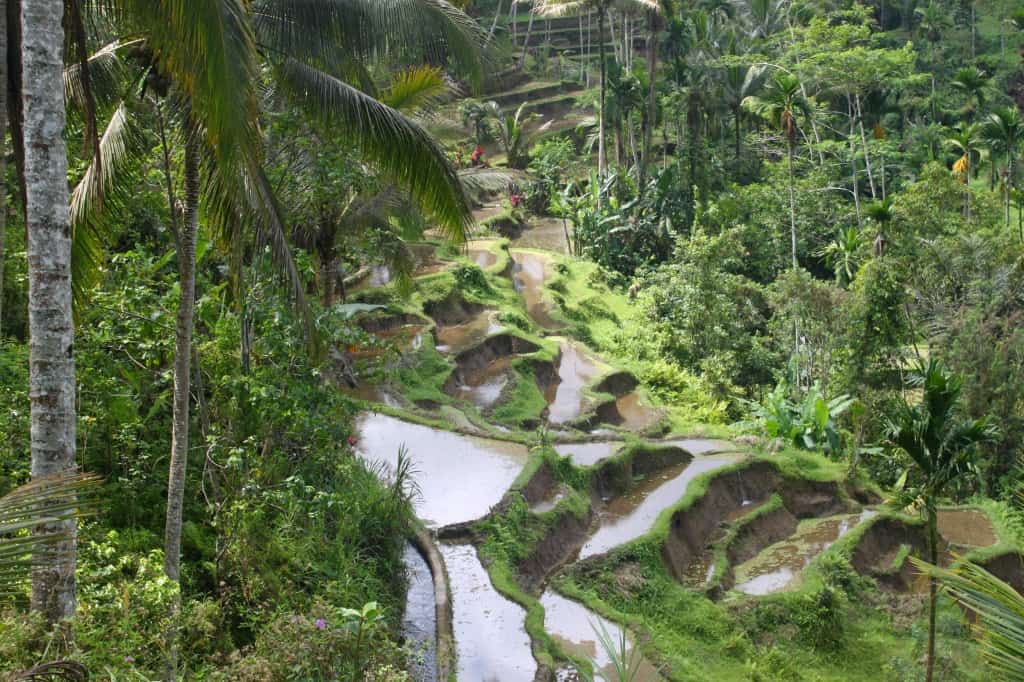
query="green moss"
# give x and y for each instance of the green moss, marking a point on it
(522, 401)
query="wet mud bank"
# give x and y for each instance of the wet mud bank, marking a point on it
(634, 512)
(882, 549)
(452, 310)
(614, 476)
(557, 547)
(492, 349)
(388, 322)
(1008, 567)
(695, 529)
(617, 384)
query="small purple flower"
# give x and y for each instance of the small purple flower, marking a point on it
(320, 623)
(129, 659)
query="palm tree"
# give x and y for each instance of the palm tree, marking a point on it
(965, 140)
(845, 254)
(881, 213)
(202, 59)
(939, 442)
(3, 157)
(972, 83)
(510, 129)
(51, 327)
(740, 83)
(933, 20)
(558, 8)
(1004, 132)
(654, 24)
(998, 610)
(782, 105)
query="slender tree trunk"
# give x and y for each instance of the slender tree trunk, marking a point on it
(864, 143)
(881, 173)
(329, 268)
(512, 21)
(182, 374)
(494, 25)
(792, 207)
(933, 557)
(51, 327)
(652, 94)
(590, 43)
(1006, 186)
(3, 158)
(974, 32)
(601, 160)
(736, 129)
(932, 101)
(853, 161)
(526, 42)
(583, 56)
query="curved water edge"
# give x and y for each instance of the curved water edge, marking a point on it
(633, 514)
(419, 621)
(491, 642)
(578, 630)
(458, 478)
(780, 566)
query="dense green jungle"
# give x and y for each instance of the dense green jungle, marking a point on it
(512, 340)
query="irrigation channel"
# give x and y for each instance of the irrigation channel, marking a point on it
(455, 617)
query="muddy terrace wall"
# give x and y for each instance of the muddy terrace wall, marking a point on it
(377, 324)
(614, 476)
(452, 310)
(492, 349)
(693, 529)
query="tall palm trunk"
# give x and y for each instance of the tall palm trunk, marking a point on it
(3, 157)
(864, 144)
(584, 57)
(933, 558)
(736, 112)
(601, 160)
(1006, 186)
(182, 374)
(652, 93)
(494, 25)
(792, 203)
(853, 161)
(51, 328)
(526, 42)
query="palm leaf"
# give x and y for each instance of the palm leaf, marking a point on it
(207, 49)
(401, 150)
(244, 203)
(45, 501)
(317, 31)
(103, 190)
(414, 89)
(999, 609)
(107, 74)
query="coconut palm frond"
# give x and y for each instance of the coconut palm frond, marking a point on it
(999, 609)
(107, 74)
(45, 501)
(104, 189)
(208, 50)
(317, 31)
(242, 204)
(415, 89)
(561, 8)
(67, 671)
(402, 150)
(478, 180)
